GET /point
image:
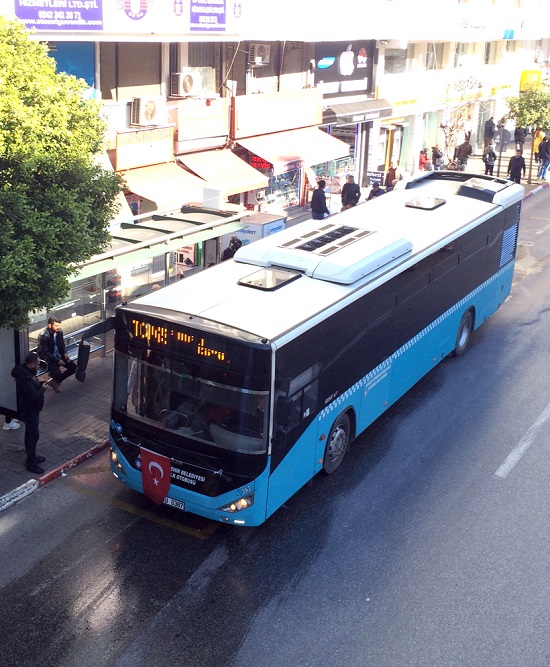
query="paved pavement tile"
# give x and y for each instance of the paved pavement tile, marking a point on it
(70, 423)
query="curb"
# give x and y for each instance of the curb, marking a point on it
(538, 189)
(27, 488)
(18, 494)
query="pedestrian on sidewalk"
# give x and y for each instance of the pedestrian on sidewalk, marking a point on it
(51, 348)
(30, 401)
(516, 166)
(537, 138)
(437, 157)
(544, 158)
(489, 159)
(391, 175)
(10, 424)
(489, 131)
(350, 193)
(463, 152)
(423, 159)
(376, 191)
(519, 137)
(319, 202)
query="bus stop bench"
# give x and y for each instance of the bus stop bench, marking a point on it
(71, 346)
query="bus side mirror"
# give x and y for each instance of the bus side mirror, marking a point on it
(283, 411)
(82, 360)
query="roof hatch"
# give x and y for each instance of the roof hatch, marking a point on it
(331, 252)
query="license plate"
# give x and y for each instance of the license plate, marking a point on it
(174, 503)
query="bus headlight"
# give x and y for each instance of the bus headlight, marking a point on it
(114, 459)
(239, 505)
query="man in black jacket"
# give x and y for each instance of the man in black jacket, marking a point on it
(30, 401)
(319, 202)
(350, 193)
(516, 166)
(51, 348)
(463, 152)
(544, 158)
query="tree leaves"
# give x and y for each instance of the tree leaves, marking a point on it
(55, 201)
(531, 108)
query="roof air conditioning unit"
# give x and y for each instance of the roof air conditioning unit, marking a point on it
(259, 54)
(148, 111)
(186, 83)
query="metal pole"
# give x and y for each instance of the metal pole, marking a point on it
(501, 133)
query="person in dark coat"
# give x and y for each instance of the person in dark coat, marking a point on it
(350, 193)
(234, 244)
(319, 202)
(51, 348)
(519, 137)
(516, 166)
(376, 191)
(489, 131)
(30, 401)
(544, 158)
(437, 157)
(462, 154)
(489, 159)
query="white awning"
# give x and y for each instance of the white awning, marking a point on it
(296, 149)
(168, 185)
(224, 171)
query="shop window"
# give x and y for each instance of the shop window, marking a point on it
(158, 264)
(434, 56)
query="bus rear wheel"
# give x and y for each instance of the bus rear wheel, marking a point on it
(463, 334)
(337, 444)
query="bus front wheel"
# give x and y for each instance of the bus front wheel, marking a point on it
(337, 443)
(463, 334)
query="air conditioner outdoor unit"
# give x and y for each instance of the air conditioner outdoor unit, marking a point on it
(186, 84)
(148, 111)
(259, 54)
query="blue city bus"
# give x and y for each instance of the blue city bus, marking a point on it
(234, 387)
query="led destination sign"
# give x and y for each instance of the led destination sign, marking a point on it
(184, 342)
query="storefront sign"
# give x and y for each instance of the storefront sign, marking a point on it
(530, 78)
(133, 17)
(343, 68)
(61, 14)
(259, 163)
(274, 112)
(141, 148)
(207, 15)
(199, 119)
(374, 177)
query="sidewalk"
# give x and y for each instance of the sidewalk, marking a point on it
(74, 423)
(475, 166)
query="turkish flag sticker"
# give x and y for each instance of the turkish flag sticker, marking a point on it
(155, 475)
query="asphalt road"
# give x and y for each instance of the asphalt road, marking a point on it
(429, 547)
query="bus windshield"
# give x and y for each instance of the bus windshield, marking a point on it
(220, 399)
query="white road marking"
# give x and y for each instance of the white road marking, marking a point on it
(524, 444)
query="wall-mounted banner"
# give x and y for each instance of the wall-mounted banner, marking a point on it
(207, 15)
(60, 14)
(133, 17)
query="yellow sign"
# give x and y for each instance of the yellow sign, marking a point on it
(530, 78)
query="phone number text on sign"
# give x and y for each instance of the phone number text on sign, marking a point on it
(208, 15)
(59, 14)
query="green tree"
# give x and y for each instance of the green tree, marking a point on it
(55, 200)
(530, 109)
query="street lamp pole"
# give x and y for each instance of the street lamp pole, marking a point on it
(501, 134)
